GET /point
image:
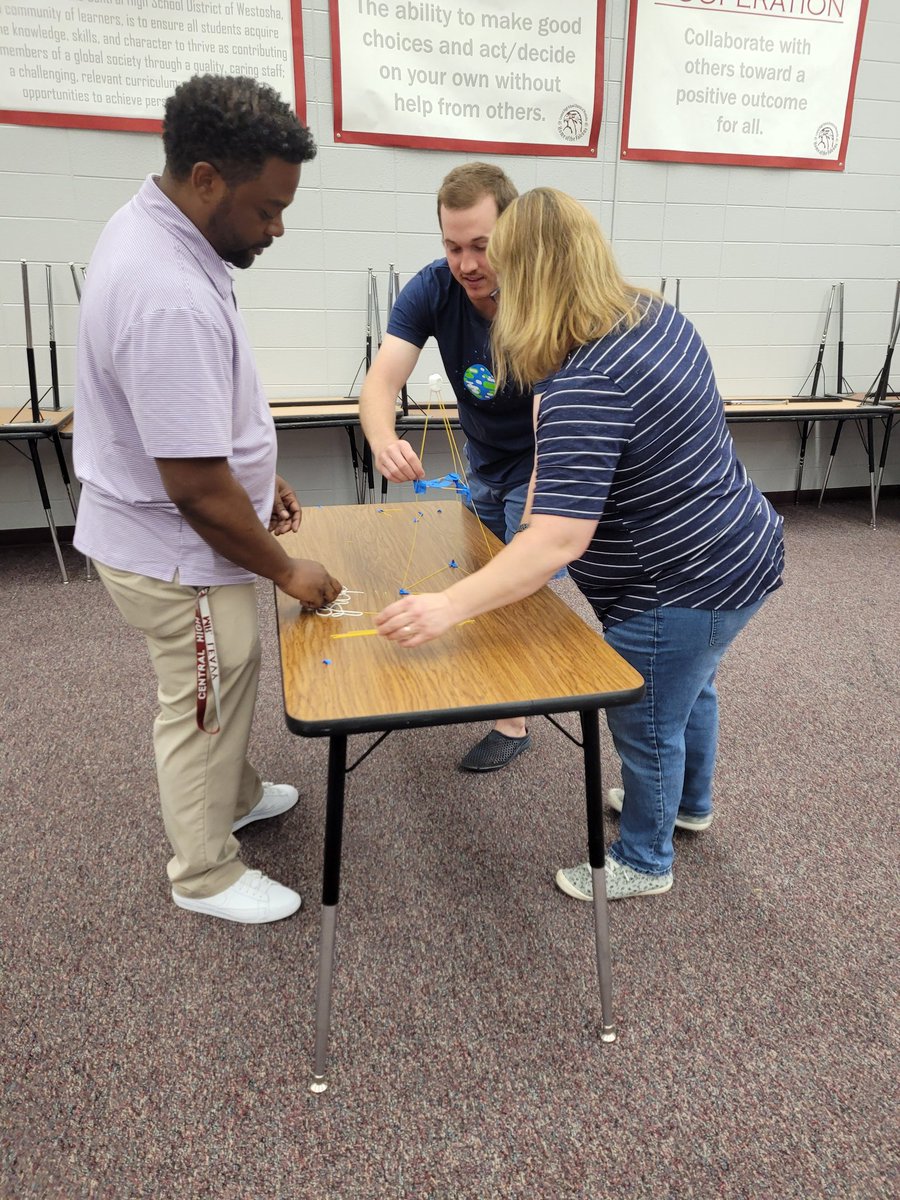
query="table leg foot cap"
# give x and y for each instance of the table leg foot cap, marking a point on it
(608, 1033)
(318, 1085)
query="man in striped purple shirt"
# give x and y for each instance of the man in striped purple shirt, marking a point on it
(175, 449)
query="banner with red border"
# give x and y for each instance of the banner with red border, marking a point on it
(766, 83)
(482, 75)
(111, 64)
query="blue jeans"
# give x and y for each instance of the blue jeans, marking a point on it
(500, 509)
(667, 740)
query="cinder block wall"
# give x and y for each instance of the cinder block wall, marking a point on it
(757, 251)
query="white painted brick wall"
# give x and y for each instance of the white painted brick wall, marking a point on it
(757, 251)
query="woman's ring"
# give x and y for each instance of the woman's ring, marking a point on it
(407, 629)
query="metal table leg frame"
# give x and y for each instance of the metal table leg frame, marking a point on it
(64, 471)
(368, 472)
(869, 440)
(866, 433)
(45, 500)
(331, 881)
(801, 459)
(354, 460)
(834, 447)
(593, 792)
(887, 423)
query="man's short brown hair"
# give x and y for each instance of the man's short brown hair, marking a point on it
(470, 182)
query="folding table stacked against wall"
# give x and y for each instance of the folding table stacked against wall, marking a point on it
(32, 424)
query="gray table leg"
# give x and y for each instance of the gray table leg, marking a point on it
(870, 449)
(45, 500)
(331, 882)
(64, 471)
(834, 446)
(593, 792)
(888, 423)
(327, 933)
(801, 459)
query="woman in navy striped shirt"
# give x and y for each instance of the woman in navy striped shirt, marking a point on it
(637, 487)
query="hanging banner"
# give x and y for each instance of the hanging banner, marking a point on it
(765, 83)
(520, 78)
(111, 64)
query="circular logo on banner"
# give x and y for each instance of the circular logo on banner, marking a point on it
(573, 123)
(826, 139)
(480, 382)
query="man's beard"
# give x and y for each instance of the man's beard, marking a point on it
(241, 256)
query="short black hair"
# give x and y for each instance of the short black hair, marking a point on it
(234, 122)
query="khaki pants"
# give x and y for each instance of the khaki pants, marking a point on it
(205, 781)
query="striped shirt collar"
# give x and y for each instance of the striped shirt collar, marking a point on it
(153, 200)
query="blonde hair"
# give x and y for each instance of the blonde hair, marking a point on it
(468, 183)
(559, 286)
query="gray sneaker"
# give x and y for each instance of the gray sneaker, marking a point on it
(621, 882)
(692, 822)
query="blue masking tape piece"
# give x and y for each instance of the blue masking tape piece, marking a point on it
(326, 662)
(452, 563)
(404, 592)
(451, 480)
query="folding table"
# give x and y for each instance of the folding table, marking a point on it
(809, 412)
(21, 425)
(533, 657)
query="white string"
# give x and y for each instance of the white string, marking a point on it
(338, 606)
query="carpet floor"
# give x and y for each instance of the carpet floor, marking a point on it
(149, 1052)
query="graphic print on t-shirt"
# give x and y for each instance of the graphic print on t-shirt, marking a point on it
(480, 382)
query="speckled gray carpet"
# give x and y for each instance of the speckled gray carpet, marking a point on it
(149, 1052)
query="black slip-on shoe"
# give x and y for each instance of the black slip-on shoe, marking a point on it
(494, 751)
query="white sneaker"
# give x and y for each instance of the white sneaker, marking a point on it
(277, 798)
(622, 882)
(252, 900)
(693, 822)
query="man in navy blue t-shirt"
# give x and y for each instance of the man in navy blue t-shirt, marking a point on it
(453, 300)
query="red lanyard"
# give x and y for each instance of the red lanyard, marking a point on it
(207, 663)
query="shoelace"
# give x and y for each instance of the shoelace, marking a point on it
(256, 882)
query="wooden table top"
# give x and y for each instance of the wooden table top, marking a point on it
(534, 656)
(788, 407)
(336, 410)
(338, 407)
(434, 416)
(344, 410)
(52, 418)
